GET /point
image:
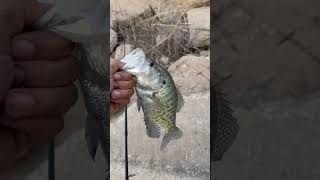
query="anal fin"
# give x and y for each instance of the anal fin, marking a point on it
(153, 130)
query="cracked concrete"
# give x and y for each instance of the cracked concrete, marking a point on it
(272, 52)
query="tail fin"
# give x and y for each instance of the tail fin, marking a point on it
(176, 134)
(94, 134)
(91, 133)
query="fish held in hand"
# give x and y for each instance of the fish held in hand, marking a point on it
(86, 25)
(158, 96)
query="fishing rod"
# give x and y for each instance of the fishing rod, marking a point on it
(126, 130)
(126, 143)
(51, 163)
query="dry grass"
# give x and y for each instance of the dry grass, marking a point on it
(162, 34)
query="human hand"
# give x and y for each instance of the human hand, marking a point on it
(37, 88)
(121, 86)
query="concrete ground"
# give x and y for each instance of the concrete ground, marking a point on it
(278, 141)
(271, 48)
(186, 159)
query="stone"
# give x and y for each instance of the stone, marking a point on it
(123, 50)
(113, 40)
(165, 5)
(199, 26)
(127, 10)
(191, 74)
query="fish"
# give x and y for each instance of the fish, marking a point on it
(94, 81)
(157, 96)
(225, 126)
(87, 26)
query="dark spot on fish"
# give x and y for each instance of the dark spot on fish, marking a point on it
(151, 64)
(164, 82)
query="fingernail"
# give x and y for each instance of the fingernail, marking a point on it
(117, 76)
(23, 48)
(115, 93)
(19, 104)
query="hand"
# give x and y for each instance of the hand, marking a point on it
(36, 88)
(121, 86)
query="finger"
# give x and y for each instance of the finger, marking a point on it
(124, 84)
(6, 75)
(38, 45)
(121, 101)
(18, 76)
(10, 23)
(121, 94)
(46, 127)
(49, 73)
(122, 76)
(114, 107)
(27, 102)
(115, 66)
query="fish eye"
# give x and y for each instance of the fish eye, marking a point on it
(163, 82)
(151, 64)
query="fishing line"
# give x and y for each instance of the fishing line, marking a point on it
(51, 164)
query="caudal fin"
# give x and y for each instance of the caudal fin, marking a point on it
(94, 134)
(92, 137)
(176, 134)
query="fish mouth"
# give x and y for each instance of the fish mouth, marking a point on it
(135, 62)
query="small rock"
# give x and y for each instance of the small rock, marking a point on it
(113, 40)
(123, 50)
(191, 74)
(199, 26)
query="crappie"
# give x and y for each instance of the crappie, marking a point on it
(86, 25)
(157, 96)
